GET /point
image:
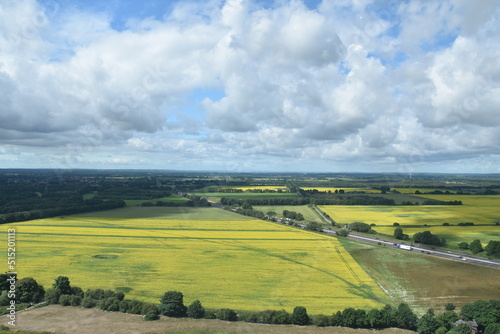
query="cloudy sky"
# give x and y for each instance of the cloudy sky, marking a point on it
(257, 85)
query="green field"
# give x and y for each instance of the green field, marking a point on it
(308, 213)
(223, 259)
(171, 199)
(217, 196)
(483, 211)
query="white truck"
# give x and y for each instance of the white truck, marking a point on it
(405, 247)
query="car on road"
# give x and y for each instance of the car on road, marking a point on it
(463, 258)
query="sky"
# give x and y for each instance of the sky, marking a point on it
(249, 86)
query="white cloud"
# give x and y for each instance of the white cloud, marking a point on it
(298, 85)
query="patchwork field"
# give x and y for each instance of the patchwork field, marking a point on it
(308, 213)
(228, 261)
(217, 196)
(425, 281)
(483, 211)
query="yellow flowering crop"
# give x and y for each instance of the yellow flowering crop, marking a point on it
(240, 264)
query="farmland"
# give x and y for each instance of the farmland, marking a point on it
(483, 211)
(424, 281)
(230, 261)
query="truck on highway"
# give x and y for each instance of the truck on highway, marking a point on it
(405, 247)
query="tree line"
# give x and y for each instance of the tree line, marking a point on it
(485, 313)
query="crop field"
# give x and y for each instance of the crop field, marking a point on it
(229, 262)
(425, 281)
(483, 211)
(308, 213)
(217, 196)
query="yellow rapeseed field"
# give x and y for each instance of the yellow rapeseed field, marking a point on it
(240, 264)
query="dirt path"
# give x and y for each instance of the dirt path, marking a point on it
(71, 320)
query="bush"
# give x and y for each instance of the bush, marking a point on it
(226, 315)
(75, 300)
(321, 320)
(88, 302)
(151, 316)
(52, 296)
(300, 316)
(65, 300)
(195, 310)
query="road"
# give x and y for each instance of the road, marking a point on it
(415, 249)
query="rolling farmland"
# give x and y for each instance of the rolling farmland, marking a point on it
(230, 261)
(483, 211)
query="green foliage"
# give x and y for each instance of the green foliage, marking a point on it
(343, 233)
(62, 284)
(65, 300)
(484, 312)
(405, 318)
(75, 300)
(195, 310)
(450, 307)
(460, 329)
(88, 302)
(320, 320)
(336, 319)
(52, 296)
(492, 329)
(476, 246)
(349, 317)
(4, 284)
(29, 291)
(300, 316)
(4, 298)
(226, 315)
(151, 316)
(463, 245)
(493, 248)
(428, 324)
(172, 304)
(313, 226)
(426, 237)
(398, 234)
(360, 227)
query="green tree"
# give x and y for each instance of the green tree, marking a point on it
(405, 318)
(493, 248)
(428, 323)
(460, 329)
(336, 319)
(476, 246)
(65, 300)
(483, 312)
(29, 291)
(463, 245)
(4, 284)
(151, 316)
(52, 296)
(226, 315)
(246, 206)
(492, 329)
(75, 300)
(374, 318)
(343, 233)
(4, 299)
(388, 316)
(300, 316)
(450, 307)
(195, 310)
(321, 320)
(349, 317)
(62, 284)
(172, 304)
(398, 233)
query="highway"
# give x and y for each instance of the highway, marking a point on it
(466, 258)
(415, 249)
